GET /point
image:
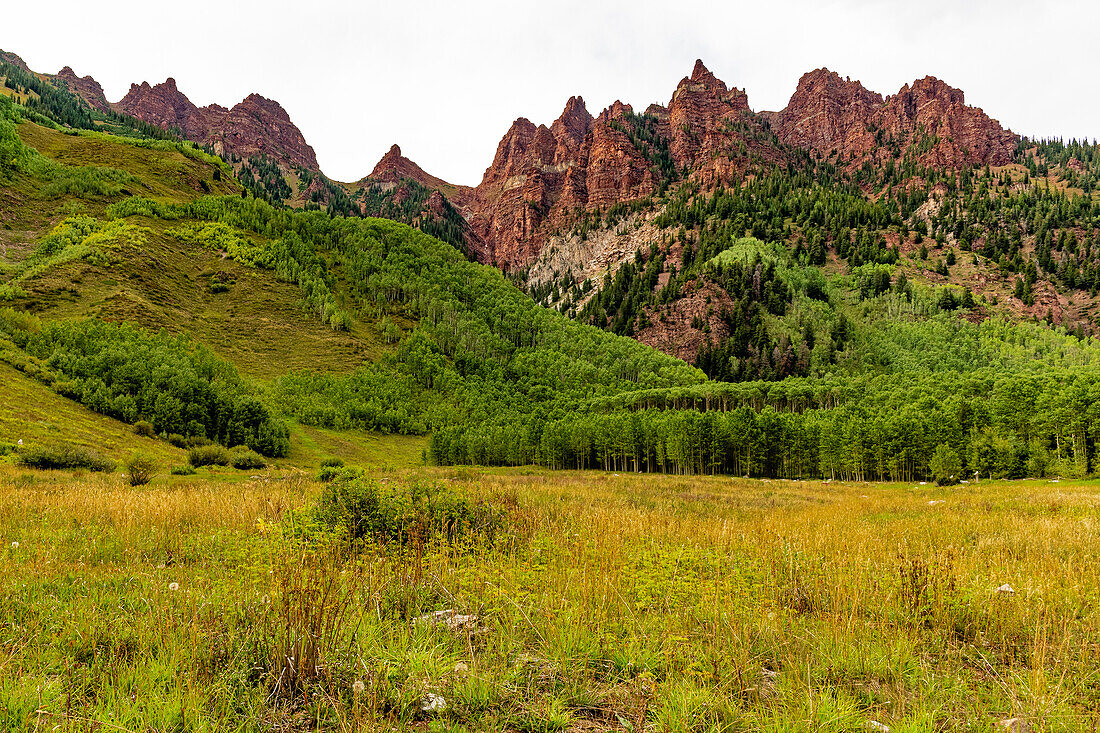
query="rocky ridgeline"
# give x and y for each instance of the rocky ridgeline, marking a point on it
(839, 118)
(255, 126)
(543, 180)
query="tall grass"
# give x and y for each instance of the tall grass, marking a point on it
(627, 603)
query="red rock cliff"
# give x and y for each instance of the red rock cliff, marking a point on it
(930, 119)
(255, 126)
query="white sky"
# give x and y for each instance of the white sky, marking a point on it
(445, 79)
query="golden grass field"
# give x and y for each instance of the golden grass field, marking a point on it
(616, 603)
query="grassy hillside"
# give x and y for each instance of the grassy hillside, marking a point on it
(423, 337)
(34, 414)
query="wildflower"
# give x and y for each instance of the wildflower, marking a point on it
(357, 687)
(15, 545)
(173, 586)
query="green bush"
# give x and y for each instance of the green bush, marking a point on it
(184, 470)
(331, 473)
(64, 455)
(209, 455)
(140, 469)
(145, 429)
(945, 465)
(187, 442)
(405, 514)
(332, 463)
(244, 458)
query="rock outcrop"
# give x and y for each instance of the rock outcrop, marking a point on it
(8, 57)
(827, 114)
(84, 87)
(544, 180)
(930, 120)
(255, 126)
(395, 167)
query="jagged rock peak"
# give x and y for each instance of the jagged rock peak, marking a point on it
(700, 74)
(10, 58)
(826, 80)
(84, 87)
(574, 121)
(932, 88)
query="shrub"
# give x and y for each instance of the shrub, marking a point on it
(184, 470)
(187, 441)
(945, 465)
(331, 473)
(208, 455)
(6, 448)
(405, 514)
(140, 469)
(332, 463)
(64, 455)
(244, 458)
(145, 429)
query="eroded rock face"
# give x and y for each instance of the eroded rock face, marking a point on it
(929, 120)
(255, 126)
(84, 87)
(394, 167)
(544, 180)
(828, 113)
(10, 58)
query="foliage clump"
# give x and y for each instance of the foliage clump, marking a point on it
(61, 455)
(945, 465)
(405, 513)
(209, 455)
(140, 469)
(181, 388)
(243, 458)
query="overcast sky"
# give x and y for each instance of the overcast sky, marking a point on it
(445, 79)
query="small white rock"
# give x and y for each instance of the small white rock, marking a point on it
(1005, 589)
(923, 483)
(877, 726)
(461, 668)
(173, 586)
(19, 442)
(15, 545)
(450, 618)
(432, 703)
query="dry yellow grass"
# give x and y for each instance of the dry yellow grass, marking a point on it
(624, 602)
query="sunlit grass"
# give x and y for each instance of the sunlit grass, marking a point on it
(621, 602)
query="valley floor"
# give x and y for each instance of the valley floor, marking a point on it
(616, 602)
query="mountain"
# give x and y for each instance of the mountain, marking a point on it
(84, 87)
(394, 167)
(255, 126)
(841, 120)
(544, 180)
(918, 309)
